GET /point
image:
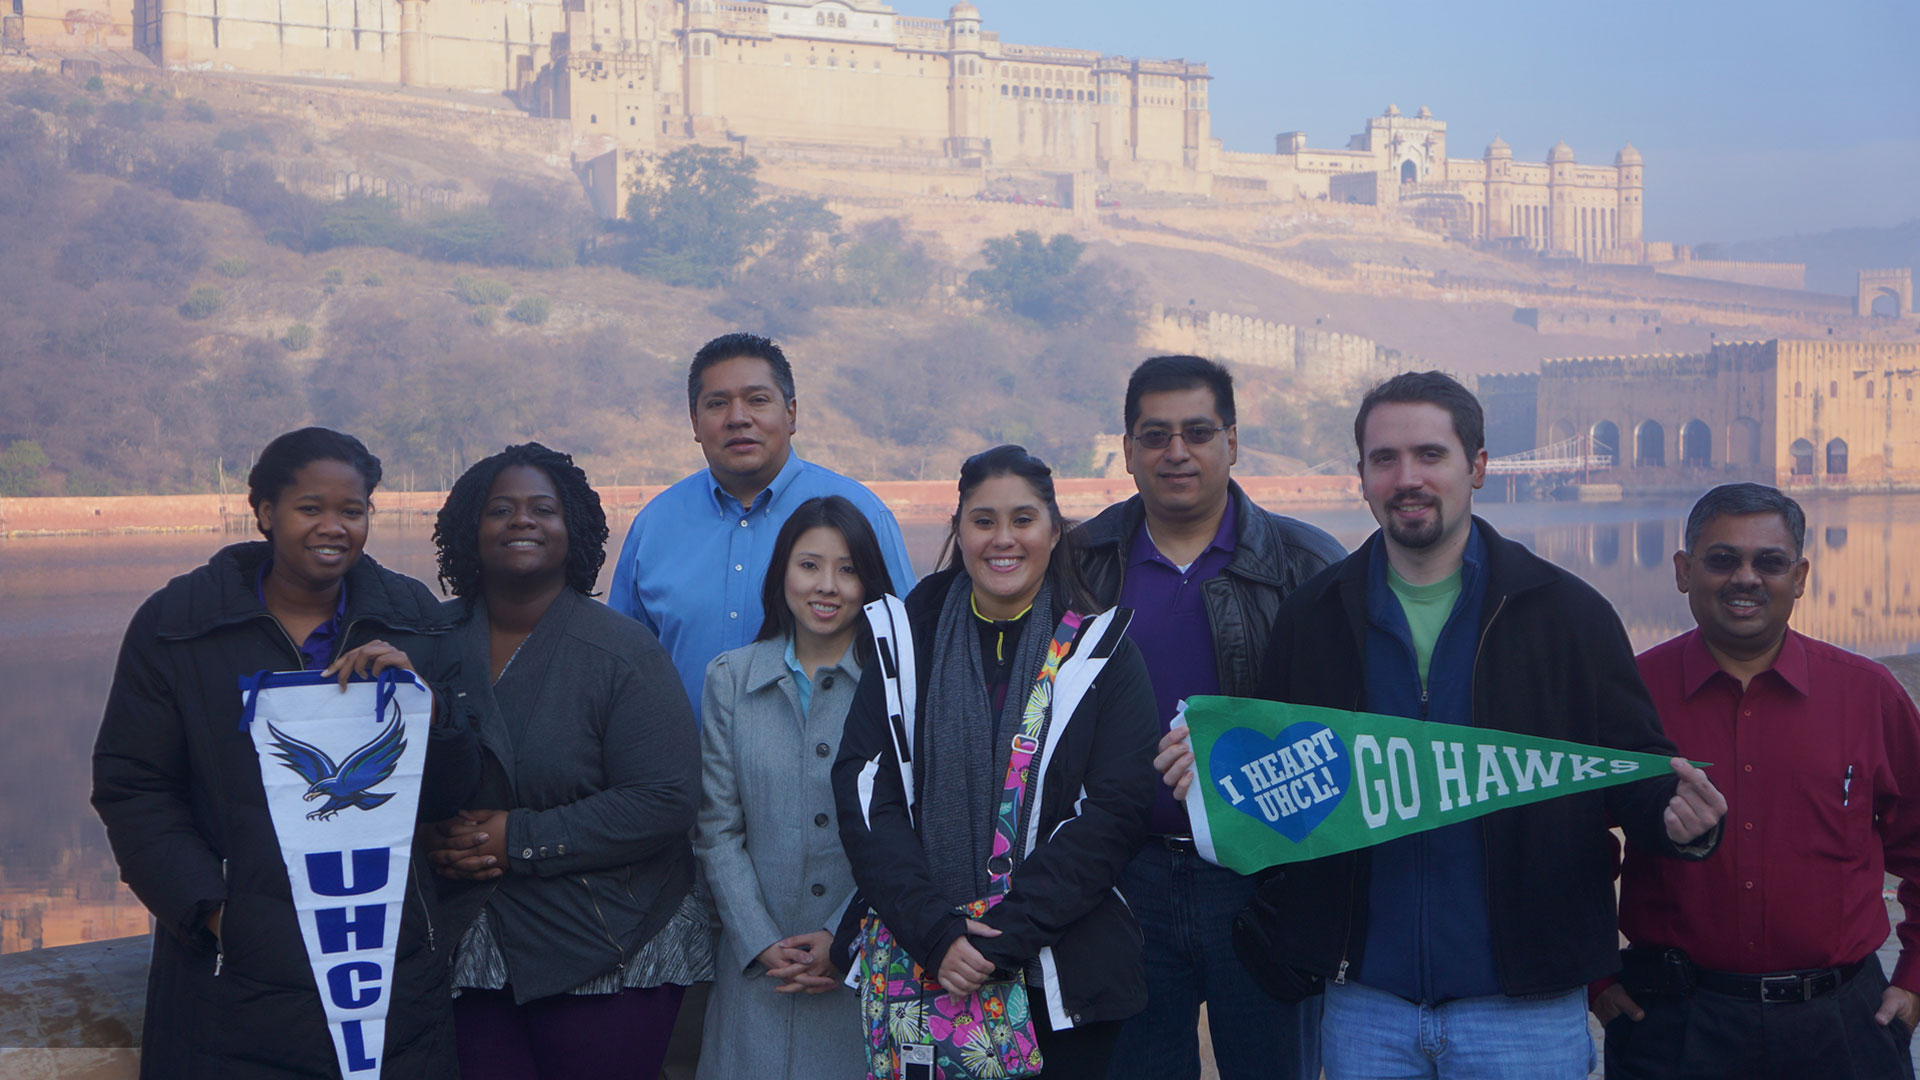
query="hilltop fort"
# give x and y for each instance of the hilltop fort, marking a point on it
(923, 106)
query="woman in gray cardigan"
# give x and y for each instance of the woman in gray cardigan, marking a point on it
(772, 713)
(577, 931)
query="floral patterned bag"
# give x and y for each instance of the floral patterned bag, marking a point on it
(990, 1033)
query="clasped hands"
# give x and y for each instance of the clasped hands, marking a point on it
(801, 964)
(471, 846)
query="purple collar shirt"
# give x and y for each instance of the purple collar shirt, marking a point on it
(317, 651)
(1170, 627)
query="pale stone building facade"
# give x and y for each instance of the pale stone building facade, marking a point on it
(1557, 207)
(1799, 414)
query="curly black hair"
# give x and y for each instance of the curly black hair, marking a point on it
(456, 531)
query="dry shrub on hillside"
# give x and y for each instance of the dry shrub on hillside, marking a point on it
(433, 392)
(969, 383)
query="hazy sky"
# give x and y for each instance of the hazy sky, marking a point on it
(1757, 119)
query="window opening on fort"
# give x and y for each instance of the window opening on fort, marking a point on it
(1696, 445)
(1869, 389)
(1833, 389)
(1837, 457)
(1605, 437)
(1802, 452)
(1650, 445)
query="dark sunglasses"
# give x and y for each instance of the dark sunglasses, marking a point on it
(1192, 434)
(1766, 564)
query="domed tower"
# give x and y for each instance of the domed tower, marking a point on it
(413, 44)
(1627, 163)
(1499, 158)
(966, 82)
(1562, 232)
(702, 70)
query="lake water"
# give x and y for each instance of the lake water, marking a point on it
(65, 601)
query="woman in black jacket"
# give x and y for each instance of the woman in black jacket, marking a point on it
(578, 930)
(176, 779)
(976, 635)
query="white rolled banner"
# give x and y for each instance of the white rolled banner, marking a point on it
(342, 775)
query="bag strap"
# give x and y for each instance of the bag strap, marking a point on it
(1026, 743)
(893, 648)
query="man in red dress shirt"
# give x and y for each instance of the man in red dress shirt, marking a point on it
(1761, 960)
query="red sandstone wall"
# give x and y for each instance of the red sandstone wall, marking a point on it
(910, 500)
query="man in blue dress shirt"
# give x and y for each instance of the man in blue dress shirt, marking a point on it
(696, 557)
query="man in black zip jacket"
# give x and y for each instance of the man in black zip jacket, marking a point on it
(1204, 570)
(1464, 950)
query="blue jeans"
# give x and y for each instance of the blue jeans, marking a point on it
(1370, 1034)
(1186, 907)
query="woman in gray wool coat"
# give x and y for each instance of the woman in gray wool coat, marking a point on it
(772, 713)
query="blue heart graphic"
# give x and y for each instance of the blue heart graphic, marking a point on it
(1303, 798)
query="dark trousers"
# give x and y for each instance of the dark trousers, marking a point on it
(1707, 1036)
(1186, 907)
(1078, 1053)
(605, 1036)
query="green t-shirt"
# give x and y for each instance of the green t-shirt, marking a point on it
(1427, 608)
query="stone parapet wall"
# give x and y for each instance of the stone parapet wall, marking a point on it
(1770, 275)
(1320, 358)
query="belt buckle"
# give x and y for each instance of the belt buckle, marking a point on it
(1780, 989)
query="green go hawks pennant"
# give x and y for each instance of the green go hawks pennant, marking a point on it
(1278, 783)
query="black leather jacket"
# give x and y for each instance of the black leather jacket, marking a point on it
(1272, 555)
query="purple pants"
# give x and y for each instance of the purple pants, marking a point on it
(605, 1036)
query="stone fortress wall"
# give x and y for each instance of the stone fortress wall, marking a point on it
(1818, 414)
(1318, 359)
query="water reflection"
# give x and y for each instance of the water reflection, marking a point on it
(64, 603)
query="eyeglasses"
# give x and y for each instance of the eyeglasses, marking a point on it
(1766, 563)
(1192, 434)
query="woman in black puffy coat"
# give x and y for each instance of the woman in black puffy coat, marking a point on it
(176, 779)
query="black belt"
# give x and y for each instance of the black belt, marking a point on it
(1671, 971)
(1175, 843)
(1781, 987)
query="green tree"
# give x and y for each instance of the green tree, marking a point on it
(694, 216)
(21, 465)
(883, 266)
(1046, 281)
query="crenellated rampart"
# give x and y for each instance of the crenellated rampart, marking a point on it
(1322, 358)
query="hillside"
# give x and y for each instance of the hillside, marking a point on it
(192, 263)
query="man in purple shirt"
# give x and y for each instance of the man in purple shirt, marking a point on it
(1205, 570)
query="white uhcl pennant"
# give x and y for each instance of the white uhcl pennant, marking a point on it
(342, 774)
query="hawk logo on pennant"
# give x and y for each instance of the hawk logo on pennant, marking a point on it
(347, 784)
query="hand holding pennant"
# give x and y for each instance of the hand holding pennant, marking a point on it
(1275, 783)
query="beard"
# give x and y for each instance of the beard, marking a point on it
(1416, 536)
